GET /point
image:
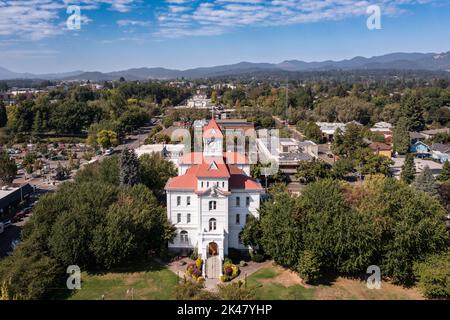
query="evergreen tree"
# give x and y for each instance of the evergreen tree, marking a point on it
(129, 168)
(413, 112)
(425, 182)
(445, 173)
(3, 115)
(401, 136)
(408, 169)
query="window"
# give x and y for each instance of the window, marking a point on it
(212, 205)
(188, 218)
(202, 184)
(207, 184)
(238, 201)
(212, 224)
(246, 217)
(184, 236)
(238, 219)
(188, 201)
(178, 217)
(178, 200)
(223, 184)
(247, 201)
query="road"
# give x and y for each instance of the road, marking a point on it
(292, 128)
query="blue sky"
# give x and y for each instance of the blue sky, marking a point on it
(121, 34)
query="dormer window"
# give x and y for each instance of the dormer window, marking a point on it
(213, 166)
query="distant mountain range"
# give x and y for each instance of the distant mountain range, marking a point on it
(393, 61)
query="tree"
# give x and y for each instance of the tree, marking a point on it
(8, 168)
(426, 182)
(401, 138)
(3, 115)
(366, 162)
(445, 173)
(155, 171)
(129, 168)
(281, 229)
(341, 168)
(408, 169)
(309, 266)
(312, 132)
(251, 233)
(433, 277)
(346, 143)
(309, 171)
(412, 111)
(107, 139)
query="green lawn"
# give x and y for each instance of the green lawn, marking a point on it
(277, 283)
(269, 289)
(149, 281)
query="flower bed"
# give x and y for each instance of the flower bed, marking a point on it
(194, 270)
(230, 271)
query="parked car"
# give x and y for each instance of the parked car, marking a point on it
(18, 216)
(109, 152)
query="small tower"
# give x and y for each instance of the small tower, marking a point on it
(212, 140)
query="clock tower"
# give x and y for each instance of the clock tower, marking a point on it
(212, 140)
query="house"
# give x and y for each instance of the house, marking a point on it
(416, 136)
(230, 125)
(430, 134)
(440, 152)
(286, 152)
(383, 128)
(171, 152)
(381, 149)
(420, 149)
(328, 128)
(211, 199)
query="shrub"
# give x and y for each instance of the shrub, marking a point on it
(198, 263)
(194, 254)
(433, 276)
(257, 257)
(242, 263)
(309, 266)
(230, 271)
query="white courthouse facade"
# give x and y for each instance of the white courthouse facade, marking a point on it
(211, 198)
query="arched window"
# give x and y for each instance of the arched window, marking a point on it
(212, 224)
(184, 236)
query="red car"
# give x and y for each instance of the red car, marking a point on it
(19, 216)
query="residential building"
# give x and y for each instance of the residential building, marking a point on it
(430, 134)
(420, 149)
(381, 149)
(329, 128)
(171, 152)
(286, 152)
(440, 152)
(210, 199)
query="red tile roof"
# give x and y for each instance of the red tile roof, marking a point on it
(228, 157)
(212, 130)
(244, 182)
(237, 178)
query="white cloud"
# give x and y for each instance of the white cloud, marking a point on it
(212, 17)
(140, 23)
(39, 19)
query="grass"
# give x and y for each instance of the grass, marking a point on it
(149, 281)
(276, 283)
(267, 288)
